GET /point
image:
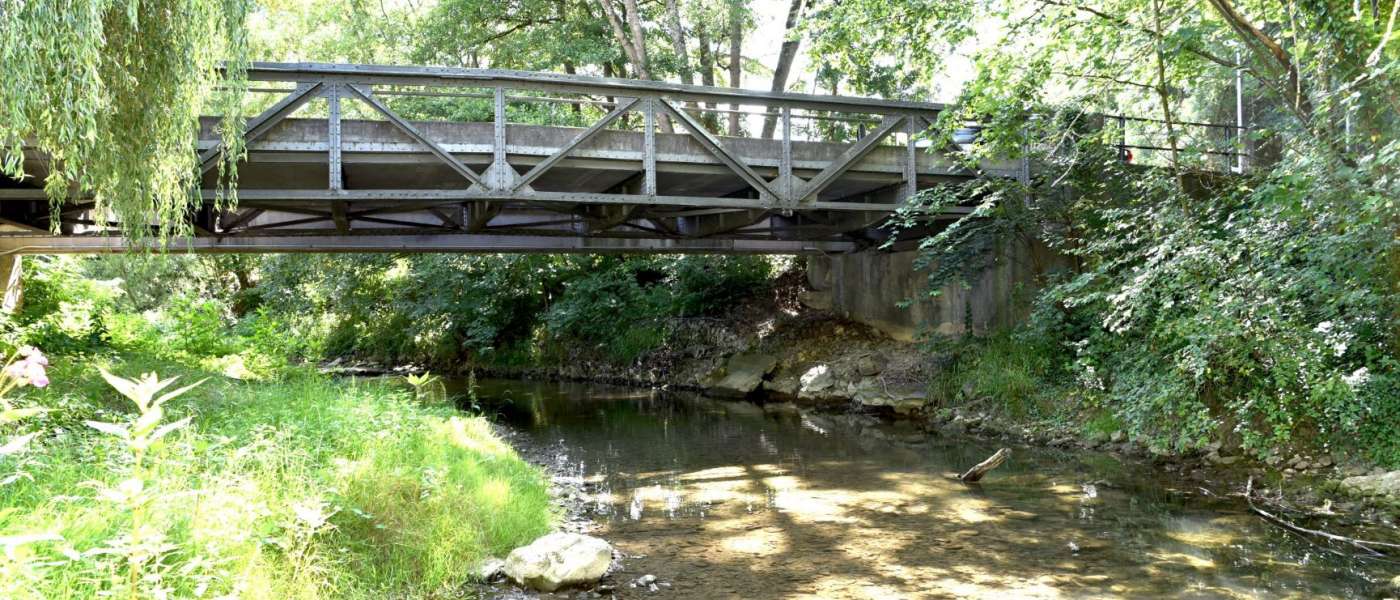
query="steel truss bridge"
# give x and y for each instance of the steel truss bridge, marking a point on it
(333, 164)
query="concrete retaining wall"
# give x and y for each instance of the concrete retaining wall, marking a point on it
(871, 287)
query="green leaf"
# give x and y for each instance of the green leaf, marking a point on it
(110, 429)
(15, 414)
(17, 443)
(160, 433)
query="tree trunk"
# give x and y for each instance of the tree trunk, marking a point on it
(627, 29)
(569, 68)
(569, 64)
(635, 52)
(736, 71)
(707, 70)
(678, 45)
(634, 22)
(1293, 88)
(1164, 90)
(785, 58)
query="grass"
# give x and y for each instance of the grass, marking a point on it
(302, 488)
(998, 372)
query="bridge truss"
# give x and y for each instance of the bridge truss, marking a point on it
(381, 158)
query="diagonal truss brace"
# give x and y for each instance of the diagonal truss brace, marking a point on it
(711, 143)
(553, 159)
(412, 132)
(850, 157)
(261, 124)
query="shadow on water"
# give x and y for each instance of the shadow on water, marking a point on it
(720, 499)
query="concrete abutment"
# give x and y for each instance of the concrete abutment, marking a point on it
(887, 291)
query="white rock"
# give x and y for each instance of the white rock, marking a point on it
(559, 560)
(816, 380)
(1385, 484)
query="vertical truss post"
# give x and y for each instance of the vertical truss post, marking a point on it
(785, 190)
(1122, 138)
(337, 181)
(500, 177)
(1242, 129)
(649, 148)
(333, 159)
(498, 140)
(1025, 175)
(911, 158)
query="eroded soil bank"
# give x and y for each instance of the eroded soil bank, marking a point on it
(722, 499)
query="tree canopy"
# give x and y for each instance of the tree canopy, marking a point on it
(112, 92)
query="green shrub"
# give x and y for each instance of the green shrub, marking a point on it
(443, 310)
(62, 310)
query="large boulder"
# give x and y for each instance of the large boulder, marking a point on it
(872, 393)
(1384, 484)
(741, 375)
(821, 383)
(783, 386)
(870, 365)
(559, 560)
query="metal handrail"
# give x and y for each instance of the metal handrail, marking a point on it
(606, 86)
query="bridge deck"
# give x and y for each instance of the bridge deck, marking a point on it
(649, 174)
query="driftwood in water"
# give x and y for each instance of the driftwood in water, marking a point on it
(975, 473)
(1368, 546)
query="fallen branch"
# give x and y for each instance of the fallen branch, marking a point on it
(1365, 545)
(975, 473)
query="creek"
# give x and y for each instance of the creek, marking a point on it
(721, 499)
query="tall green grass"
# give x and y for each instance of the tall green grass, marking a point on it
(1004, 373)
(303, 488)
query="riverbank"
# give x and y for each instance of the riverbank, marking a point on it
(300, 487)
(788, 357)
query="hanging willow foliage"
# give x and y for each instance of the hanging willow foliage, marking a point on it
(111, 91)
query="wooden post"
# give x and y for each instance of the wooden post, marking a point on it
(12, 272)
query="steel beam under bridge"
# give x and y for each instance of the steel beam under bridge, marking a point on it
(459, 243)
(554, 163)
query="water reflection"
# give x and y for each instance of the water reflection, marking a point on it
(722, 499)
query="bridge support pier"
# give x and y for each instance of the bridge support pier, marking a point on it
(884, 290)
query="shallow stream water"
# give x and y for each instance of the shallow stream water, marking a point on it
(723, 500)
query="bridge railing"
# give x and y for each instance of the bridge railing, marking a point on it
(1213, 146)
(715, 118)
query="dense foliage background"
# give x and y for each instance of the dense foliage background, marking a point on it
(1257, 307)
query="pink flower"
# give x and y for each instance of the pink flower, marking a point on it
(35, 373)
(32, 353)
(30, 369)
